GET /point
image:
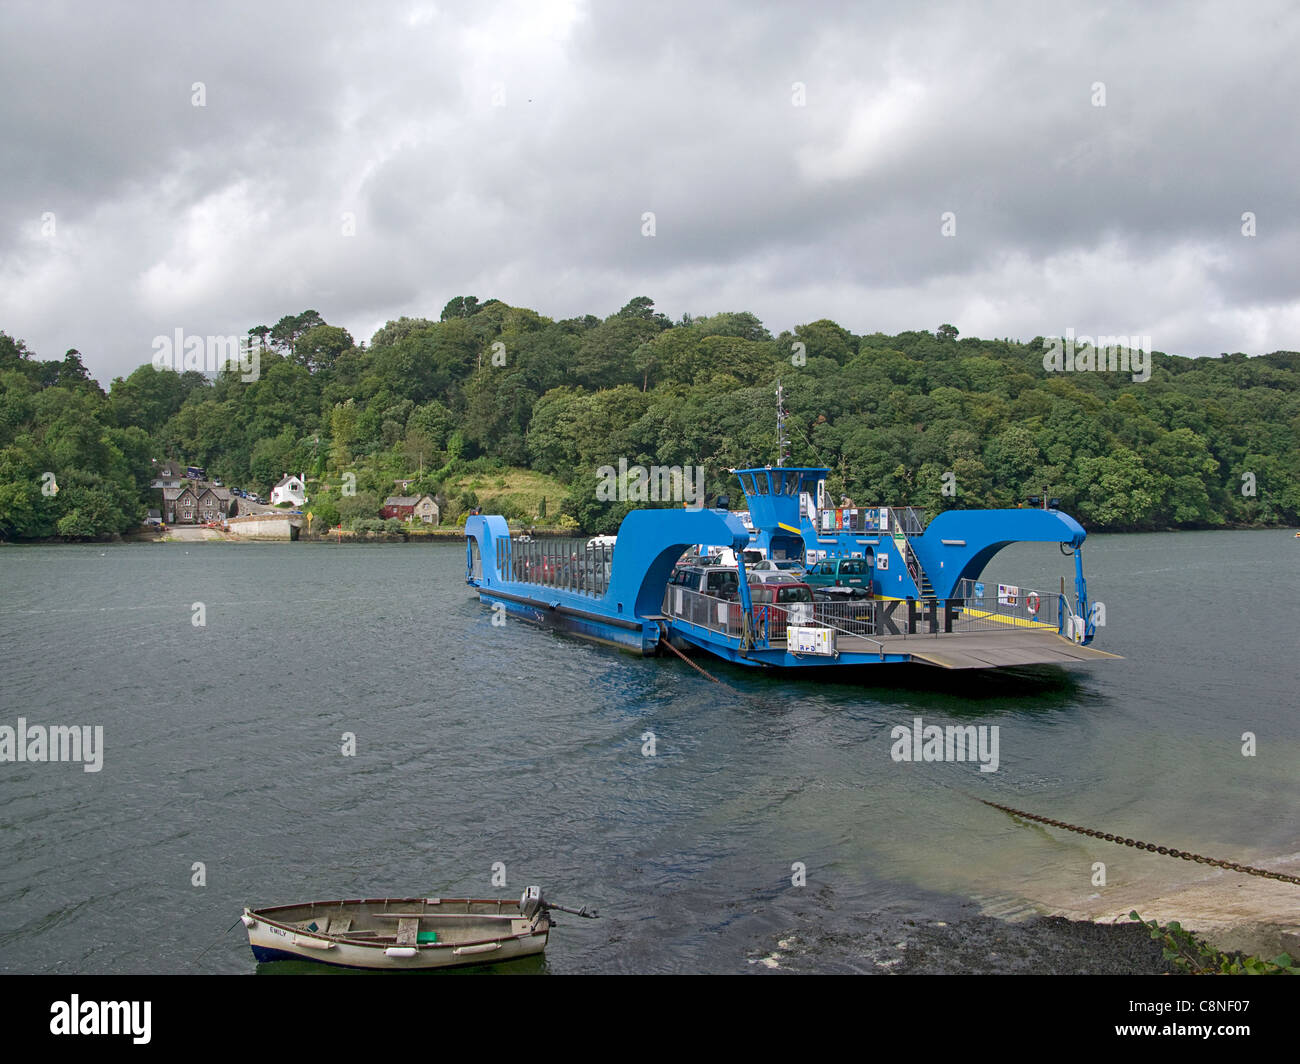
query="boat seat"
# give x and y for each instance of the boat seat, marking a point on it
(340, 924)
(408, 930)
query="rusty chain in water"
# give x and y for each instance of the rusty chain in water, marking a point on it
(1168, 851)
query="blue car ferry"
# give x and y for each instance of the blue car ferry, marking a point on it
(924, 602)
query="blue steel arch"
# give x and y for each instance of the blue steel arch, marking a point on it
(649, 544)
(966, 540)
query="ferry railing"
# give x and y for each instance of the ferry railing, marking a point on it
(991, 607)
(568, 564)
(872, 520)
(910, 520)
(855, 617)
(912, 562)
(771, 621)
(969, 609)
(721, 615)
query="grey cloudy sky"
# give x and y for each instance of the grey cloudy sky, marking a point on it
(510, 150)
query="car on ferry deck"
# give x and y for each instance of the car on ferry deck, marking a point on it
(776, 565)
(716, 581)
(851, 574)
(776, 606)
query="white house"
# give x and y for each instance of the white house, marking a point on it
(291, 489)
(167, 475)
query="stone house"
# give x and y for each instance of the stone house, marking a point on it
(412, 507)
(195, 504)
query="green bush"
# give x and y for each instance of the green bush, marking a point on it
(1192, 956)
(325, 514)
(352, 508)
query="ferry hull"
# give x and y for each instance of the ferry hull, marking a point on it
(642, 639)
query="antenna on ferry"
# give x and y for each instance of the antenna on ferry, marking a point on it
(780, 424)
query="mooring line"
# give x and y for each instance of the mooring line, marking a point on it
(218, 939)
(1168, 851)
(666, 641)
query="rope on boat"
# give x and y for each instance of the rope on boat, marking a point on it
(1166, 850)
(668, 643)
(218, 939)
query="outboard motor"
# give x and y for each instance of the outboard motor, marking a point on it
(532, 902)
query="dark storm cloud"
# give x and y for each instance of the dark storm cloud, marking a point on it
(512, 150)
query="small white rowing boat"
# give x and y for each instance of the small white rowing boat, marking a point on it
(402, 933)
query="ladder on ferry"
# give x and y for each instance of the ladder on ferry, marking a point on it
(923, 586)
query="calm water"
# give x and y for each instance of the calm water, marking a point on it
(478, 745)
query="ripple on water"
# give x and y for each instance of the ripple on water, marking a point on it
(478, 745)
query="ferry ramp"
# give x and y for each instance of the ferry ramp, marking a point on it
(979, 649)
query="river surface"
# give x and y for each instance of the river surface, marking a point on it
(479, 746)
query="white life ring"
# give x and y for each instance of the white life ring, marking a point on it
(1033, 602)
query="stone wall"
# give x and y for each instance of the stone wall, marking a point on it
(265, 526)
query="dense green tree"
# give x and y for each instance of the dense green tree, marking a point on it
(343, 430)
(399, 330)
(1204, 442)
(321, 346)
(460, 307)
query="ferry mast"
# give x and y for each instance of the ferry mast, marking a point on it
(781, 415)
